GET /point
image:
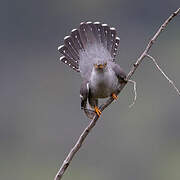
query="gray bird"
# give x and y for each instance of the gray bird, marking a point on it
(91, 50)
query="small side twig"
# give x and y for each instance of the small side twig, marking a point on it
(87, 130)
(135, 93)
(164, 74)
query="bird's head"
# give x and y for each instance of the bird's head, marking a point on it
(100, 66)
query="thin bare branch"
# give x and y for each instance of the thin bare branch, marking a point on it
(163, 73)
(87, 130)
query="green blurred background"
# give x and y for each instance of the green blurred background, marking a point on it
(40, 116)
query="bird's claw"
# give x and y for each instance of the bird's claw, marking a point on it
(97, 110)
(114, 96)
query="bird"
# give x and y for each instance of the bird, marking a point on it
(90, 50)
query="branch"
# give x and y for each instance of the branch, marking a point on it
(163, 73)
(87, 130)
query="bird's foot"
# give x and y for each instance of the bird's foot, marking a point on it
(97, 110)
(114, 96)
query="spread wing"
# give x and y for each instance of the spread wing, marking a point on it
(88, 34)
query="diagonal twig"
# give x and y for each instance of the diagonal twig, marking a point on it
(164, 74)
(87, 130)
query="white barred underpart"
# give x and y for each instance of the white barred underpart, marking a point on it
(90, 43)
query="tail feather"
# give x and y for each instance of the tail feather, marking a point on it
(87, 34)
(112, 39)
(77, 40)
(99, 32)
(70, 63)
(106, 34)
(66, 52)
(71, 48)
(68, 57)
(114, 48)
(83, 34)
(91, 38)
(94, 27)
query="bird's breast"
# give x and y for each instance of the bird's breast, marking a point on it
(103, 84)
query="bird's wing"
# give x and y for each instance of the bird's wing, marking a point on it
(121, 75)
(87, 35)
(84, 92)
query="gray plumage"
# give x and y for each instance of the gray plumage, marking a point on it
(91, 50)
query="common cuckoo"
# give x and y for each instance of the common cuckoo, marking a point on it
(91, 50)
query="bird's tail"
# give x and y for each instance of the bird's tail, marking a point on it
(87, 34)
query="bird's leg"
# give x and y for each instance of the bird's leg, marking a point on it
(114, 96)
(97, 110)
(94, 104)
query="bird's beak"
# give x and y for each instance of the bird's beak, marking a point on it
(99, 66)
